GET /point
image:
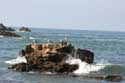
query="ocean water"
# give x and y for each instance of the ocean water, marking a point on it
(108, 47)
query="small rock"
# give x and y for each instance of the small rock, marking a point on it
(113, 78)
(24, 29)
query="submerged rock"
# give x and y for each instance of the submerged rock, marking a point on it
(113, 78)
(24, 29)
(109, 78)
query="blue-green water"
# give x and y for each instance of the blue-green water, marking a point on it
(109, 47)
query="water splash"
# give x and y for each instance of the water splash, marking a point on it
(85, 68)
(1, 36)
(32, 38)
(17, 60)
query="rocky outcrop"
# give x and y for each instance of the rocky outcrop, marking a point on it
(84, 55)
(24, 29)
(113, 78)
(4, 28)
(7, 31)
(46, 52)
(109, 78)
(51, 57)
(8, 34)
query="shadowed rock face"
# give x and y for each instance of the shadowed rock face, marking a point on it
(45, 67)
(67, 49)
(51, 57)
(84, 55)
(56, 52)
(6, 31)
(8, 34)
(39, 53)
(4, 28)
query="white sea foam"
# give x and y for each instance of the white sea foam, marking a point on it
(31, 38)
(1, 36)
(85, 68)
(31, 72)
(17, 60)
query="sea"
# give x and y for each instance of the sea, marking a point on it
(108, 48)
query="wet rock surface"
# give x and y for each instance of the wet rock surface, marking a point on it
(84, 55)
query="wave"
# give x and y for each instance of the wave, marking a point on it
(17, 60)
(110, 40)
(32, 38)
(1, 36)
(85, 68)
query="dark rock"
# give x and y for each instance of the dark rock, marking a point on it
(22, 67)
(29, 49)
(6, 31)
(45, 67)
(56, 57)
(40, 47)
(51, 57)
(32, 58)
(67, 68)
(22, 53)
(8, 34)
(109, 78)
(75, 75)
(24, 29)
(113, 78)
(10, 29)
(39, 53)
(4, 28)
(66, 49)
(97, 77)
(84, 55)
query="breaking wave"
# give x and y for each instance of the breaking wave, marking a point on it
(1, 36)
(85, 68)
(32, 38)
(17, 60)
